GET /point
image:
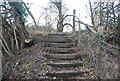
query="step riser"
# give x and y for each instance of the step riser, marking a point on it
(57, 34)
(57, 40)
(64, 58)
(69, 57)
(57, 45)
(67, 65)
(58, 37)
(59, 50)
(65, 74)
(60, 47)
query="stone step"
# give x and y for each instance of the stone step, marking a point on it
(60, 50)
(60, 45)
(63, 56)
(68, 64)
(58, 39)
(65, 73)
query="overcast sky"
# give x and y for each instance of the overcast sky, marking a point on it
(80, 6)
(36, 7)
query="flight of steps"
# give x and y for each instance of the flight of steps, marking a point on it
(62, 56)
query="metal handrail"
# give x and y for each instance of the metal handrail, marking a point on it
(111, 50)
(102, 41)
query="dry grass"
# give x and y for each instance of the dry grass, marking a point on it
(35, 32)
(105, 65)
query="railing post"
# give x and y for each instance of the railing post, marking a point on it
(74, 20)
(79, 34)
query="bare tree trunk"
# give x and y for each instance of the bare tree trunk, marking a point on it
(92, 18)
(60, 20)
(39, 18)
(31, 16)
(107, 17)
(113, 11)
(100, 13)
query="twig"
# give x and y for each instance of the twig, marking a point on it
(17, 46)
(9, 53)
(5, 43)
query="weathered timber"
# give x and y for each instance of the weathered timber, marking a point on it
(63, 56)
(57, 39)
(57, 34)
(65, 73)
(68, 64)
(60, 45)
(60, 50)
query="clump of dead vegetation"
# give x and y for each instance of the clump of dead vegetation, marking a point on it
(104, 63)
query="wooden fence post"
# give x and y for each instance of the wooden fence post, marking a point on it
(74, 20)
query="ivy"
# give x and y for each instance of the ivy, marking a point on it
(20, 9)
